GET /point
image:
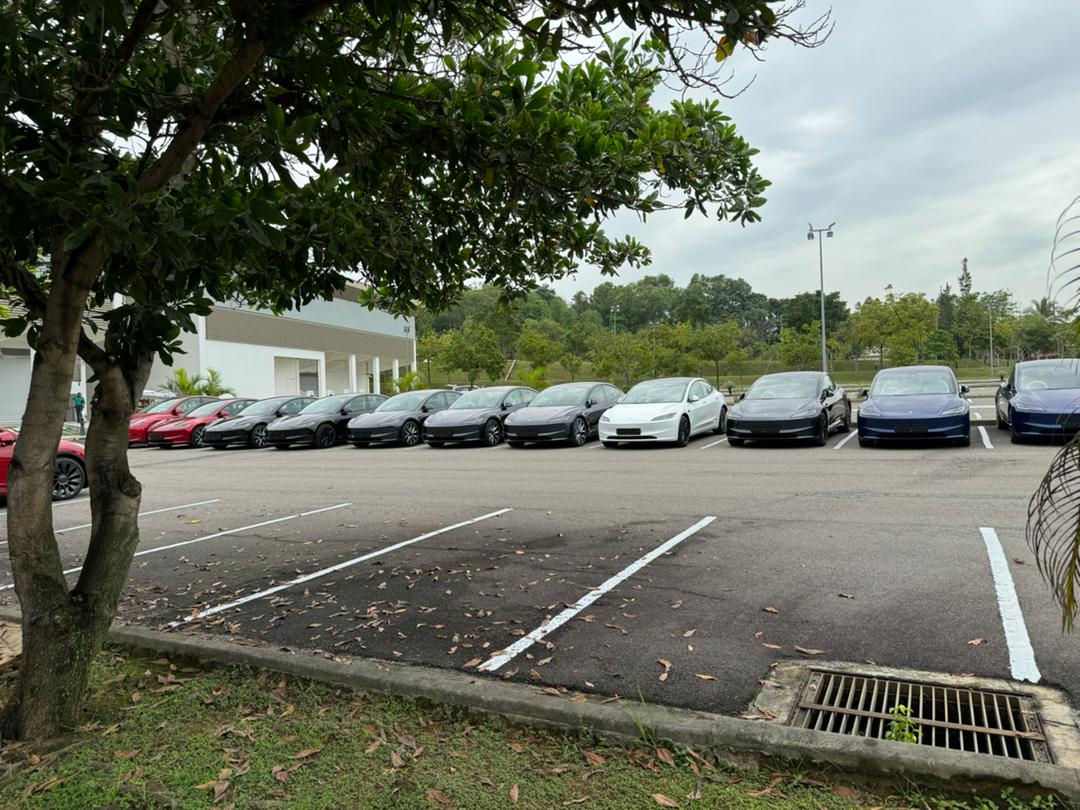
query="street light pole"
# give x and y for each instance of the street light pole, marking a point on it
(990, 316)
(821, 273)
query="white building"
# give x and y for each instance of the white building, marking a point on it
(334, 346)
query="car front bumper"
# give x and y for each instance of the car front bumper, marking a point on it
(223, 438)
(933, 427)
(458, 433)
(803, 428)
(1044, 424)
(286, 437)
(665, 431)
(137, 435)
(167, 438)
(537, 433)
(375, 434)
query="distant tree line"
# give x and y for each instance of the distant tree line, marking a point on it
(653, 327)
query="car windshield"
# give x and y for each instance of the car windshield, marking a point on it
(1065, 374)
(655, 392)
(560, 395)
(482, 398)
(403, 402)
(328, 404)
(160, 407)
(912, 382)
(207, 409)
(784, 386)
(263, 407)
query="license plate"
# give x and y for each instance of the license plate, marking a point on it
(912, 427)
(628, 431)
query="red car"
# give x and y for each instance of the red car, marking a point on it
(189, 429)
(164, 411)
(69, 476)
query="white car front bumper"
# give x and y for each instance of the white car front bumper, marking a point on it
(663, 431)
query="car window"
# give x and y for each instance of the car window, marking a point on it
(295, 405)
(598, 394)
(513, 399)
(234, 408)
(613, 392)
(699, 390)
(357, 404)
(440, 401)
(189, 405)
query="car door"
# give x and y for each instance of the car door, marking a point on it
(595, 405)
(353, 407)
(233, 408)
(7, 447)
(716, 403)
(294, 406)
(1006, 391)
(697, 405)
(438, 402)
(833, 402)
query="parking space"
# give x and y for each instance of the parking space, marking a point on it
(674, 574)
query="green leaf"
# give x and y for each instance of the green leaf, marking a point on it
(275, 116)
(724, 48)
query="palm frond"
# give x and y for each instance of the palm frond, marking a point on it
(213, 384)
(1053, 529)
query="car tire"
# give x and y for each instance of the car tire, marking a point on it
(845, 423)
(410, 433)
(734, 441)
(515, 443)
(822, 437)
(493, 433)
(579, 432)
(434, 444)
(257, 437)
(721, 423)
(1001, 423)
(964, 441)
(197, 435)
(1014, 437)
(866, 442)
(325, 436)
(610, 445)
(69, 478)
(683, 437)
(360, 444)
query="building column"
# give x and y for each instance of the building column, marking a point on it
(376, 369)
(395, 370)
(352, 374)
(322, 375)
(415, 369)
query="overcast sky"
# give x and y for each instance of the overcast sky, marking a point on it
(928, 131)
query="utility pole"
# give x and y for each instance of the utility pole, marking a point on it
(821, 272)
(990, 314)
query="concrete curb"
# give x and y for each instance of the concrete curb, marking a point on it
(733, 739)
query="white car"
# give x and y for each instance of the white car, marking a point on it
(672, 409)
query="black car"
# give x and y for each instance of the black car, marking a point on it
(248, 428)
(400, 418)
(562, 413)
(477, 416)
(323, 422)
(789, 405)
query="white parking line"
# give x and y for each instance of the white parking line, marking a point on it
(985, 438)
(1021, 655)
(333, 568)
(523, 643)
(212, 536)
(851, 435)
(3, 512)
(598, 444)
(713, 444)
(151, 512)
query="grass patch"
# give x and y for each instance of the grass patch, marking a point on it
(162, 734)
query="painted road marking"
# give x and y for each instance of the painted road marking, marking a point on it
(334, 568)
(985, 438)
(523, 643)
(3, 512)
(1021, 655)
(851, 435)
(718, 441)
(151, 512)
(598, 444)
(206, 537)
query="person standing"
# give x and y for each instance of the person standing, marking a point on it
(80, 404)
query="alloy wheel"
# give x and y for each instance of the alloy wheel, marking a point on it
(579, 432)
(684, 432)
(197, 436)
(410, 434)
(68, 479)
(325, 436)
(493, 432)
(258, 436)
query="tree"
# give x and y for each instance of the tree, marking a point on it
(805, 308)
(946, 304)
(474, 350)
(963, 283)
(540, 342)
(940, 347)
(800, 348)
(910, 321)
(180, 153)
(572, 363)
(614, 355)
(718, 343)
(870, 328)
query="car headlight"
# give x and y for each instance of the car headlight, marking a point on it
(663, 417)
(807, 410)
(869, 409)
(606, 417)
(1025, 404)
(954, 410)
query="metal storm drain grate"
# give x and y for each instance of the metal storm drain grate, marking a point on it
(961, 719)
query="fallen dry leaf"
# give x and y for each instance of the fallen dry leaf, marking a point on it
(808, 650)
(665, 756)
(776, 779)
(975, 642)
(578, 800)
(304, 753)
(769, 682)
(514, 793)
(280, 773)
(436, 796)
(134, 752)
(1018, 561)
(664, 801)
(396, 760)
(592, 758)
(772, 610)
(845, 596)
(472, 662)
(689, 633)
(705, 676)
(771, 646)
(843, 790)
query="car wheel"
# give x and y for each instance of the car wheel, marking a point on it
(493, 433)
(845, 423)
(610, 445)
(1014, 437)
(69, 478)
(431, 443)
(325, 436)
(410, 433)
(721, 422)
(515, 443)
(258, 436)
(822, 437)
(579, 432)
(197, 436)
(735, 442)
(683, 437)
(1001, 423)
(359, 444)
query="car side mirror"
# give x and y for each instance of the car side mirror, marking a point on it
(505, 406)
(693, 398)
(964, 389)
(865, 393)
(7, 440)
(425, 408)
(742, 397)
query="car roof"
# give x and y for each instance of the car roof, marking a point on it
(916, 368)
(670, 379)
(1048, 361)
(791, 374)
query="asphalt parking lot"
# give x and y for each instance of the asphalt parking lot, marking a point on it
(598, 569)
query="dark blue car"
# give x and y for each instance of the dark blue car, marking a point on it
(1040, 398)
(915, 402)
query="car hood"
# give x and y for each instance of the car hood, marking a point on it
(543, 414)
(915, 404)
(241, 422)
(641, 413)
(151, 418)
(771, 408)
(1056, 400)
(74, 448)
(303, 420)
(173, 424)
(381, 419)
(464, 416)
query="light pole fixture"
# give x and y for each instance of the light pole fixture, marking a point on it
(614, 319)
(990, 315)
(821, 272)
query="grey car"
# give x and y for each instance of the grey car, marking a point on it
(789, 405)
(248, 428)
(401, 418)
(477, 416)
(322, 423)
(562, 413)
